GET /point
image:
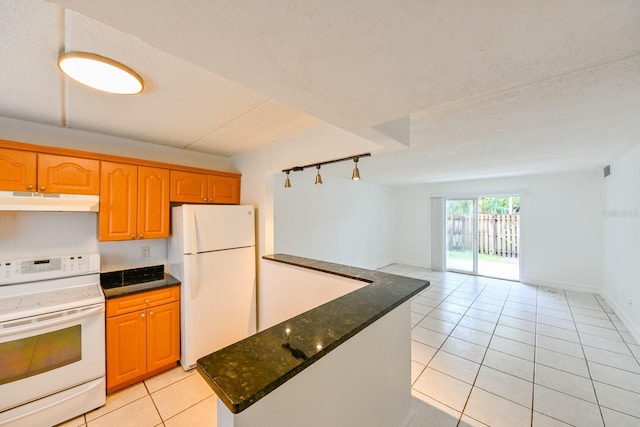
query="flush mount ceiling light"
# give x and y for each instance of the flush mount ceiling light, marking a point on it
(100, 73)
(355, 176)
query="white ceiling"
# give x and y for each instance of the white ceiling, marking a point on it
(459, 89)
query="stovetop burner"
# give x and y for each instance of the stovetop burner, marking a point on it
(70, 295)
(8, 305)
(35, 286)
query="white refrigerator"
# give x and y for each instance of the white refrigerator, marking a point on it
(211, 251)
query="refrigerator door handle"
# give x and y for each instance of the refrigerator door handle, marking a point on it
(194, 252)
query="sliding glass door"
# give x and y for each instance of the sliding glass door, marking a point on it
(461, 254)
(483, 236)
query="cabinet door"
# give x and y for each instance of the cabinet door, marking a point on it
(224, 189)
(68, 175)
(17, 170)
(163, 336)
(153, 203)
(126, 349)
(188, 187)
(118, 201)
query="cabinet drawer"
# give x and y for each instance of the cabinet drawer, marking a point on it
(122, 305)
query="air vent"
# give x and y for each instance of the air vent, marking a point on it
(607, 171)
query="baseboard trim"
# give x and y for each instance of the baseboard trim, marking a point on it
(573, 287)
(626, 321)
(410, 263)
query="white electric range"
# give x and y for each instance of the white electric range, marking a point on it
(52, 343)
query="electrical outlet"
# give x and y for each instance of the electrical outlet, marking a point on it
(145, 251)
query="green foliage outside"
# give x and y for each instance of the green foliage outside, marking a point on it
(486, 205)
(499, 205)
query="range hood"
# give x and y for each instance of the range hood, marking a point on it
(25, 201)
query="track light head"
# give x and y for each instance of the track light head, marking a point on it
(356, 173)
(287, 182)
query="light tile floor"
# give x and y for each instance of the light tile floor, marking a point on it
(500, 353)
(173, 399)
(484, 352)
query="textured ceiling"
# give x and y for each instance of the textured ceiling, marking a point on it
(445, 90)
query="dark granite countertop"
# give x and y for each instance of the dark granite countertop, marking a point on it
(244, 372)
(132, 281)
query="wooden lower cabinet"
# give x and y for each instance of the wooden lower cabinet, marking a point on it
(143, 336)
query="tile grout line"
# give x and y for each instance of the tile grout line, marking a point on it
(595, 393)
(571, 305)
(485, 351)
(535, 354)
(153, 402)
(618, 331)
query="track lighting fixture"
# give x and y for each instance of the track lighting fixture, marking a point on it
(318, 177)
(355, 176)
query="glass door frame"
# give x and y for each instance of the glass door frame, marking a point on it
(475, 243)
(474, 240)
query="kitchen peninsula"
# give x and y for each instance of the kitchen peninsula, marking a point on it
(344, 362)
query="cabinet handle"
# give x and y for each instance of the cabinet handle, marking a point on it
(142, 236)
(151, 313)
(205, 199)
(141, 314)
(146, 301)
(133, 236)
(29, 187)
(43, 187)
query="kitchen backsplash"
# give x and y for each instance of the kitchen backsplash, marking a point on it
(33, 234)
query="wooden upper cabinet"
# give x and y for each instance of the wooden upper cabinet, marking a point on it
(118, 201)
(189, 187)
(134, 202)
(224, 189)
(153, 203)
(48, 173)
(17, 170)
(68, 175)
(151, 188)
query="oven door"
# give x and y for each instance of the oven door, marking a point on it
(45, 354)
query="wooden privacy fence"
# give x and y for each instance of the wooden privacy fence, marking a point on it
(497, 234)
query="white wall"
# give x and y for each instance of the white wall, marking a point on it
(28, 234)
(361, 383)
(343, 221)
(561, 232)
(295, 290)
(621, 284)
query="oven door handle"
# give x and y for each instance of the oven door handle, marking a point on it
(47, 320)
